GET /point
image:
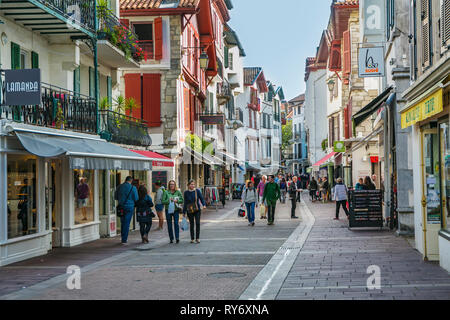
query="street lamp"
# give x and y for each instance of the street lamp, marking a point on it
(204, 60)
(331, 84)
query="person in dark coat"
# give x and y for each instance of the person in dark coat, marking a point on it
(144, 213)
(193, 196)
(368, 184)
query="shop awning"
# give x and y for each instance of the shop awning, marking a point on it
(158, 160)
(84, 153)
(372, 107)
(324, 159)
(253, 167)
(364, 141)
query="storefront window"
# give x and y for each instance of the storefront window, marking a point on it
(22, 213)
(84, 182)
(445, 160)
(102, 192)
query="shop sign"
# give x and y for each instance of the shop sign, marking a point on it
(218, 119)
(374, 17)
(339, 146)
(22, 87)
(371, 62)
(374, 159)
(426, 108)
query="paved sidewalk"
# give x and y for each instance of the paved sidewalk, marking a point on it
(27, 273)
(334, 260)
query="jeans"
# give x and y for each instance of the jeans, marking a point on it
(176, 217)
(145, 228)
(194, 220)
(125, 224)
(294, 206)
(271, 217)
(250, 211)
(344, 205)
(283, 196)
(299, 196)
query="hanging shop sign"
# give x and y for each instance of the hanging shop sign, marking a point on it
(426, 108)
(339, 146)
(374, 19)
(371, 62)
(217, 119)
(22, 87)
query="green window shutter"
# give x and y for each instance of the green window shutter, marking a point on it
(91, 82)
(34, 60)
(109, 87)
(15, 56)
(77, 80)
(98, 83)
(226, 57)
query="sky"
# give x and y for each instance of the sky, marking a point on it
(278, 35)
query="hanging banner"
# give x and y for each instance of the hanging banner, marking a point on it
(371, 62)
(22, 87)
(374, 19)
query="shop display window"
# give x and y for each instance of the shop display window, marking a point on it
(21, 206)
(445, 164)
(84, 182)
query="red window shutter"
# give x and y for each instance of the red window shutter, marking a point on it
(125, 22)
(152, 99)
(133, 90)
(335, 56)
(346, 124)
(347, 54)
(187, 112)
(192, 109)
(158, 39)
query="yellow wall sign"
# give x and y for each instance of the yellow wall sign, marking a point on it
(426, 108)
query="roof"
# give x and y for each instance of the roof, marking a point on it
(232, 38)
(280, 93)
(290, 115)
(298, 99)
(251, 74)
(157, 4)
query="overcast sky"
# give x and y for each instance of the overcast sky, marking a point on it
(278, 35)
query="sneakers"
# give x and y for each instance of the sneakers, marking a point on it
(178, 240)
(171, 241)
(192, 241)
(198, 241)
(253, 224)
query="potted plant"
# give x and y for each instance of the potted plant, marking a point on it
(104, 104)
(60, 120)
(102, 13)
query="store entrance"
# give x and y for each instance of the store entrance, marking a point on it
(53, 210)
(431, 193)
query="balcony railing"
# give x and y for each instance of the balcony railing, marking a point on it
(119, 128)
(224, 93)
(111, 29)
(147, 47)
(60, 108)
(78, 11)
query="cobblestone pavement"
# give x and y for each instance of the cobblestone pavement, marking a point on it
(229, 256)
(333, 264)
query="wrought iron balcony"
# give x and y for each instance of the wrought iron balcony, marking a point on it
(224, 93)
(52, 17)
(120, 36)
(123, 129)
(60, 109)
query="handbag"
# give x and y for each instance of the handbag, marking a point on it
(171, 208)
(193, 207)
(241, 212)
(120, 208)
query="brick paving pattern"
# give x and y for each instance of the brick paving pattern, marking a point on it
(334, 260)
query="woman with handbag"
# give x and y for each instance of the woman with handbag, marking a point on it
(249, 198)
(193, 209)
(173, 200)
(144, 212)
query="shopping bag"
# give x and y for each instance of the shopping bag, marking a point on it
(171, 208)
(241, 212)
(184, 224)
(262, 210)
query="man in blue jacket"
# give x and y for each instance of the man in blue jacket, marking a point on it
(127, 196)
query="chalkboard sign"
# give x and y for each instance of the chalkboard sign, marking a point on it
(366, 208)
(159, 176)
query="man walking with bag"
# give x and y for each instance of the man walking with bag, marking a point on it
(293, 197)
(127, 196)
(340, 195)
(271, 195)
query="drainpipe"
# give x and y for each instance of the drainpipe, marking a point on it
(97, 94)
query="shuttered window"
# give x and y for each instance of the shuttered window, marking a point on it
(158, 39)
(226, 57)
(152, 99)
(91, 82)
(15, 56)
(133, 86)
(335, 56)
(109, 89)
(426, 33)
(413, 39)
(445, 24)
(76, 80)
(347, 56)
(34, 60)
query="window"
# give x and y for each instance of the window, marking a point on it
(144, 31)
(444, 130)
(21, 205)
(427, 31)
(413, 40)
(84, 183)
(230, 60)
(445, 25)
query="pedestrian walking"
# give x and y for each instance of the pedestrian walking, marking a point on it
(299, 188)
(250, 198)
(173, 201)
(260, 188)
(283, 189)
(144, 213)
(270, 196)
(340, 195)
(360, 184)
(126, 194)
(324, 189)
(193, 205)
(368, 184)
(293, 197)
(313, 189)
(158, 204)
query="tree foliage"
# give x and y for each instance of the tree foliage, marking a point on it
(287, 136)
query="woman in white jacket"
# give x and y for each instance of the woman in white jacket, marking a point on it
(250, 198)
(340, 195)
